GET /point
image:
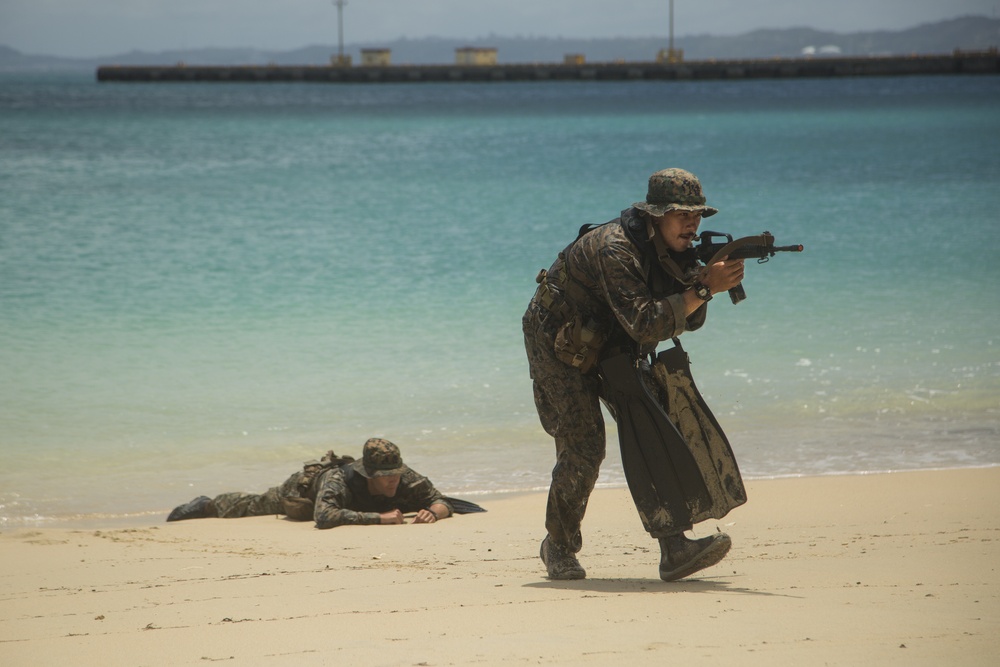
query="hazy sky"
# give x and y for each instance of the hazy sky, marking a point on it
(93, 28)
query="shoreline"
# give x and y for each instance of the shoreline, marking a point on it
(98, 521)
(880, 568)
(135, 519)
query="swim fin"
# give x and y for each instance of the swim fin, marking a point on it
(460, 506)
(663, 475)
(672, 383)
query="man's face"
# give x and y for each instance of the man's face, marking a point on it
(385, 485)
(678, 229)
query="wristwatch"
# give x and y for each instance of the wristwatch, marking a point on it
(702, 291)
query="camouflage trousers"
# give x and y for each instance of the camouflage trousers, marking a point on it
(569, 408)
(238, 504)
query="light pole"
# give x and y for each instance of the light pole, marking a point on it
(671, 55)
(341, 60)
(671, 45)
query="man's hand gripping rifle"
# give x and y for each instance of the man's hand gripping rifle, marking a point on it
(759, 247)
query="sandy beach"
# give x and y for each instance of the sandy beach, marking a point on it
(886, 569)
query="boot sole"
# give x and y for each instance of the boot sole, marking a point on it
(711, 555)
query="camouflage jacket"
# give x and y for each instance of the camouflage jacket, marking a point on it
(343, 497)
(626, 289)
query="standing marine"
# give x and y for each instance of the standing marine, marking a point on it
(590, 330)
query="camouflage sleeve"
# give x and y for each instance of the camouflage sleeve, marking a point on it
(646, 319)
(417, 493)
(696, 319)
(333, 503)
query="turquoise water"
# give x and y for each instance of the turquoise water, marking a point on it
(203, 285)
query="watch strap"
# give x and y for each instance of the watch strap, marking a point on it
(702, 291)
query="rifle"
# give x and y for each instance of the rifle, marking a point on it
(759, 247)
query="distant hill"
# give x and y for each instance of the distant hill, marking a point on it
(970, 33)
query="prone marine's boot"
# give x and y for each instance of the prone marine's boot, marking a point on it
(560, 562)
(681, 556)
(199, 508)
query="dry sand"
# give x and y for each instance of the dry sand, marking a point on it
(888, 569)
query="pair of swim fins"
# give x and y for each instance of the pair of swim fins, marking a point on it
(677, 460)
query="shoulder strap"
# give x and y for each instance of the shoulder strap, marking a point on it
(563, 278)
(564, 255)
(589, 227)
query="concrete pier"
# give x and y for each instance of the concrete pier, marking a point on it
(980, 62)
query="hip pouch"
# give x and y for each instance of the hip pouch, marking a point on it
(298, 509)
(301, 501)
(578, 344)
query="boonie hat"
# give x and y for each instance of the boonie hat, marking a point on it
(674, 190)
(381, 458)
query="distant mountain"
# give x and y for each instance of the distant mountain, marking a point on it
(11, 59)
(970, 33)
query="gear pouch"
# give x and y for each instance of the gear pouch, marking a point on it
(578, 344)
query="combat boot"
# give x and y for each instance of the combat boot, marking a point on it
(560, 562)
(680, 556)
(199, 508)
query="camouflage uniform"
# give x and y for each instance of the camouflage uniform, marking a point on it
(343, 497)
(298, 490)
(333, 491)
(638, 303)
(238, 504)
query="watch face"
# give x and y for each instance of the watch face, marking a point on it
(703, 292)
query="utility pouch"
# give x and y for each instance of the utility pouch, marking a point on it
(298, 509)
(544, 296)
(309, 472)
(578, 344)
(300, 506)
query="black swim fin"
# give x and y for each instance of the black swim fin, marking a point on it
(460, 506)
(672, 383)
(662, 473)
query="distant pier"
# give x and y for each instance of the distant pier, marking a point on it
(979, 62)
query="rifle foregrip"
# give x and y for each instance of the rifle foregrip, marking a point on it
(737, 293)
(751, 252)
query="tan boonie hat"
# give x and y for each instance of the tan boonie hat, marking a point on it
(674, 190)
(381, 458)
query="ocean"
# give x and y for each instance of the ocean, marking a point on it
(204, 285)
